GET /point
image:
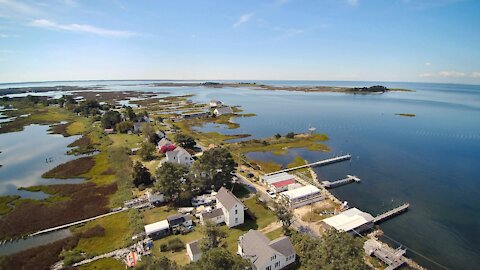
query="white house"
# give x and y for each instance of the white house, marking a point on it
(193, 251)
(215, 216)
(302, 196)
(222, 111)
(179, 156)
(229, 209)
(215, 103)
(265, 254)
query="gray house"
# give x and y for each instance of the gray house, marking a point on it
(265, 254)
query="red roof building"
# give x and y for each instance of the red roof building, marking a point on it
(282, 185)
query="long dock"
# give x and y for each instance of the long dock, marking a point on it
(344, 181)
(75, 223)
(400, 209)
(315, 164)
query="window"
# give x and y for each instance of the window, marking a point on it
(277, 264)
(236, 220)
(236, 211)
(268, 267)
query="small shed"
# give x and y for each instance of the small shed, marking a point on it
(193, 250)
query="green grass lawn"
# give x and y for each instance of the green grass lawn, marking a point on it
(126, 140)
(263, 215)
(157, 214)
(179, 257)
(79, 126)
(117, 234)
(275, 234)
(104, 264)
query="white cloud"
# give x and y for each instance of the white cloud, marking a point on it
(444, 74)
(451, 74)
(4, 36)
(428, 64)
(244, 18)
(475, 74)
(81, 28)
(16, 9)
(353, 2)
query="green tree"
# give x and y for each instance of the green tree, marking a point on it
(110, 119)
(219, 259)
(335, 250)
(285, 216)
(163, 263)
(290, 135)
(150, 135)
(278, 136)
(213, 168)
(124, 127)
(147, 149)
(185, 141)
(141, 175)
(129, 113)
(169, 179)
(212, 236)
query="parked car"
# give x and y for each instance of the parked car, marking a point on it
(271, 194)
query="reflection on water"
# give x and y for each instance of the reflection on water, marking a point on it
(27, 154)
(30, 242)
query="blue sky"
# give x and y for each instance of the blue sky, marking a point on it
(387, 40)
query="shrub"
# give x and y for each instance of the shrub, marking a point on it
(175, 244)
(290, 135)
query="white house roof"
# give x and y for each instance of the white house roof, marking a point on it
(270, 179)
(163, 142)
(301, 192)
(227, 199)
(156, 227)
(178, 152)
(259, 249)
(349, 220)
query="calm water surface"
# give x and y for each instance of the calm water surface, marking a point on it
(431, 160)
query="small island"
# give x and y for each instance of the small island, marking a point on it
(406, 114)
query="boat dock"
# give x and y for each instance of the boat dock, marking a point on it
(400, 209)
(315, 164)
(344, 181)
(393, 258)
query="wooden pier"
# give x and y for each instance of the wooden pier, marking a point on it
(400, 209)
(315, 164)
(348, 179)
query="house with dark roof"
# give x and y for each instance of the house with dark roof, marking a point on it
(229, 209)
(193, 250)
(222, 111)
(178, 220)
(265, 254)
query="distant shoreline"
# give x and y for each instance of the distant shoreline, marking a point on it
(378, 89)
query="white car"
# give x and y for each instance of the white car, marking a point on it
(271, 194)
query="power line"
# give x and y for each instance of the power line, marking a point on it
(410, 249)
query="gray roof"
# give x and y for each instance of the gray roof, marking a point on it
(195, 247)
(259, 249)
(283, 245)
(213, 214)
(227, 199)
(163, 142)
(224, 110)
